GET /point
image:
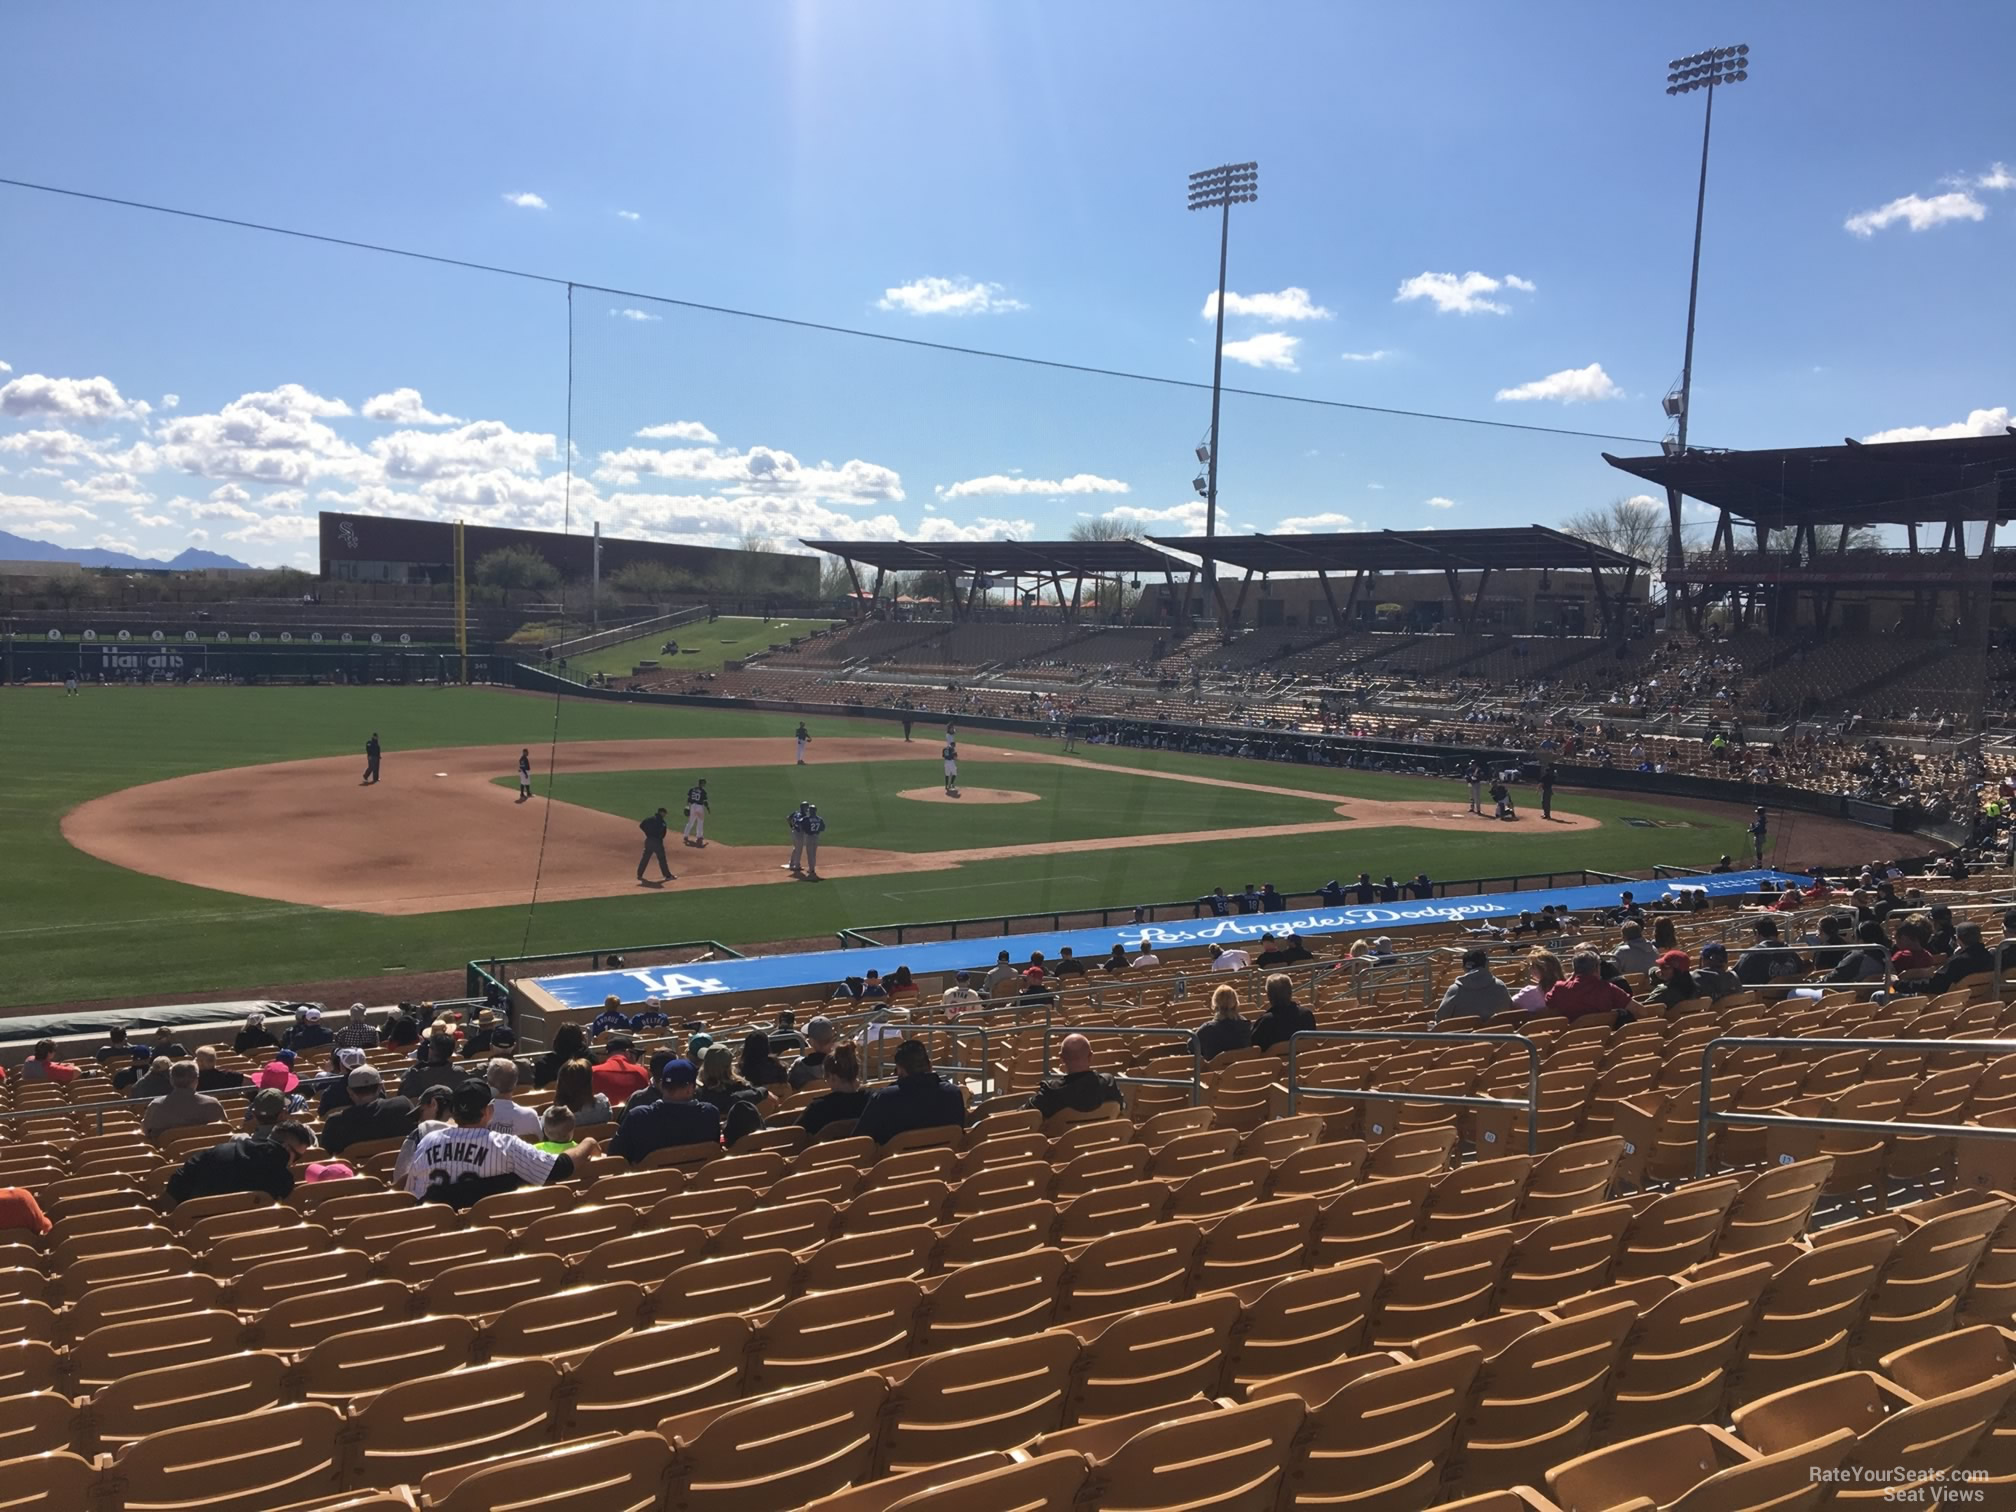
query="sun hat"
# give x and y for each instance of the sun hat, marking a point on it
(278, 1075)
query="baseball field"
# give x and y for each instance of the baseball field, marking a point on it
(215, 841)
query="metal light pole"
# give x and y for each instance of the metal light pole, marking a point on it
(1702, 70)
(1219, 189)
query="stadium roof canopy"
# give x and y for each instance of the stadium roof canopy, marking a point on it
(1969, 478)
(1004, 558)
(1405, 550)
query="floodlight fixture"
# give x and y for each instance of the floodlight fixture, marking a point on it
(1218, 189)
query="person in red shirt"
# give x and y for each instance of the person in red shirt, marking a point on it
(42, 1065)
(1911, 958)
(1586, 992)
(20, 1210)
(618, 1077)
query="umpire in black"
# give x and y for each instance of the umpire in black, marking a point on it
(371, 755)
(654, 846)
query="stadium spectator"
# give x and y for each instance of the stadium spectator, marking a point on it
(1116, 962)
(244, 1165)
(1288, 952)
(1664, 936)
(1712, 978)
(2005, 948)
(1282, 1017)
(959, 995)
(1634, 955)
(307, 1033)
(1585, 992)
(675, 1117)
(254, 1036)
(1770, 959)
(901, 987)
(1940, 941)
(358, 1033)
(872, 989)
(19, 1210)
(1970, 957)
(619, 1074)
(1389, 890)
(264, 1112)
(758, 1067)
(574, 1089)
(1079, 1089)
(1421, 887)
(811, 1066)
(1675, 980)
(432, 1106)
(612, 1017)
(370, 1116)
(569, 1044)
(1911, 958)
(1333, 893)
(843, 1099)
(651, 1016)
(506, 1115)
(1067, 963)
(332, 1088)
(1246, 900)
(151, 1076)
(920, 1099)
(1147, 960)
(1271, 900)
(468, 1161)
(436, 1067)
(482, 1040)
(42, 1065)
(1003, 979)
(1868, 962)
(116, 1046)
(210, 1076)
(1476, 993)
(1216, 903)
(556, 1130)
(166, 1045)
(1226, 1029)
(181, 1105)
(739, 1104)
(1233, 959)
(1362, 891)
(784, 1033)
(1543, 970)
(401, 1032)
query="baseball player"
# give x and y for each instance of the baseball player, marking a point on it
(69, 684)
(804, 736)
(371, 755)
(1475, 777)
(951, 756)
(1758, 830)
(813, 827)
(796, 819)
(525, 775)
(654, 846)
(696, 813)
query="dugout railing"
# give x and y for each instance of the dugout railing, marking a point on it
(481, 977)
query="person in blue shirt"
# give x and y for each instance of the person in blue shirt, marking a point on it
(920, 1099)
(610, 1018)
(676, 1118)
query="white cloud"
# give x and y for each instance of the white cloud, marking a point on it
(980, 528)
(86, 399)
(403, 406)
(478, 446)
(631, 312)
(1998, 176)
(230, 493)
(525, 201)
(285, 498)
(6, 367)
(1980, 422)
(1379, 356)
(109, 488)
(64, 448)
(629, 215)
(269, 437)
(1269, 349)
(1186, 518)
(291, 401)
(999, 485)
(1917, 212)
(1438, 502)
(171, 401)
(759, 470)
(140, 516)
(274, 530)
(716, 520)
(116, 543)
(1452, 294)
(948, 296)
(23, 507)
(217, 509)
(49, 527)
(1314, 524)
(678, 430)
(1570, 386)
(1376, 487)
(1287, 304)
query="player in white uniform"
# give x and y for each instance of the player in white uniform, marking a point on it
(696, 812)
(796, 819)
(812, 827)
(525, 775)
(951, 755)
(466, 1161)
(804, 735)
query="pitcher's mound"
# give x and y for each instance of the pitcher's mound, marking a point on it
(970, 795)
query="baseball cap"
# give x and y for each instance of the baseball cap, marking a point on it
(469, 1100)
(365, 1076)
(313, 1015)
(1714, 950)
(285, 1057)
(1674, 958)
(327, 1170)
(677, 1073)
(356, 1010)
(818, 1026)
(350, 1058)
(277, 1074)
(965, 976)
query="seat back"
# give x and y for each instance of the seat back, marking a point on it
(1799, 1330)
(1153, 1357)
(646, 1376)
(781, 1450)
(984, 1397)
(1439, 1286)
(832, 1334)
(1378, 1431)
(628, 1471)
(348, 1365)
(406, 1430)
(250, 1463)
(1672, 1368)
(1135, 1269)
(993, 1299)
(1234, 1465)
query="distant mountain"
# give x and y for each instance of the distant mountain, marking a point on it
(15, 548)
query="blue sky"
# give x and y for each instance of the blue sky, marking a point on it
(1008, 176)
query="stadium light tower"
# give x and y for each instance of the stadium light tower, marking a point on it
(1702, 70)
(1219, 189)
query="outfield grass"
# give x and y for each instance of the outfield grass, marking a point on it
(859, 802)
(76, 928)
(702, 647)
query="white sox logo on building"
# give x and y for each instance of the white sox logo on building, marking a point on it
(347, 534)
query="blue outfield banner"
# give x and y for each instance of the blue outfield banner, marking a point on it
(827, 968)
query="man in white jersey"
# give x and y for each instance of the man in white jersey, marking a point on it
(951, 757)
(525, 775)
(696, 812)
(467, 1160)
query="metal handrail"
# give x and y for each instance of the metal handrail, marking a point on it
(1195, 1083)
(1296, 1091)
(985, 1070)
(1708, 1115)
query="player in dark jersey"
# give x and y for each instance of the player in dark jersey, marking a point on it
(696, 813)
(654, 846)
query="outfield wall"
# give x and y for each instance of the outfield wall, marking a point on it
(268, 659)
